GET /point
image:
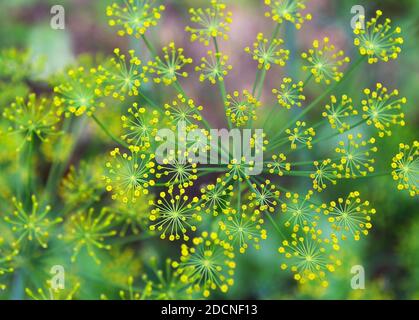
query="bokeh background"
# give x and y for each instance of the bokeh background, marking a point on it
(390, 255)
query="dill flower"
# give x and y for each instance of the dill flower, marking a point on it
(121, 76)
(278, 165)
(288, 10)
(241, 109)
(184, 110)
(6, 260)
(300, 135)
(89, 230)
(129, 176)
(82, 184)
(79, 93)
(299, 211)
(405, 165)
(49, 293)
(214, 68)
(135, 18)
(243, 228)
(211, 22)
(356, 156)
(169, 68)
(309, 255)
(350, 215)
(139, 127)
(216, 197)
(265, 196)
(383, 109)
(174, 214)
(290, 94)
(208, 265)
(378, 41)
(324, 61)
(338, 111)
(324, 173)
(31, 225)
(267, 54)
(181, 172)
(237, 169)
(133, 294)
(32, 117)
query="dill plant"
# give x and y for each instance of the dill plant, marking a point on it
(123, 197)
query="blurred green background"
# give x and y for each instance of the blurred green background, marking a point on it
(390, 254)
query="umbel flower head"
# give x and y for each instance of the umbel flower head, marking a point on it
(378, 41)
(405, 167)
(309, 255)
(290, 94)
(32, 225)
(300, 135)
(211, 22)
(129, 176)
(339, 111)
(86, 229)
(241, 109)
(324, 61)
(278, 165)
(289, 10)
(299, 210)
(79, 93)
(135, 17)
(169, 68)
(216, 197)
(173, 214)
(32, 117)
(178, 171)
(350, 215)
(214, 68)
(183, 110)
(383, 109)
(324, 173)
(207, 265)
(121, 76)
(268, 53)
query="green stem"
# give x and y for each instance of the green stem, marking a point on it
(108, 133)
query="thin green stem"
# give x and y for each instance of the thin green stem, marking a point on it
(108, 133)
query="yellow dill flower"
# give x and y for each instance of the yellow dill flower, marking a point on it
(121, 76)
(278, 165)
(214, 68)
(299, 211)
(129, 176)
(32, 225)
(140, 127)
(324, 172)
(243, 228)
(135, 17)
(7, 255)
(32, 117)
(265, 196)
(350, 215)
(309, 255)
(288, 10)
(50, 293)
(300, 135)
(82, 184)
(131, 293)
(383, 109)
(378, 41)
(324, 61)
(216, 197)
(89, 230)
(169, 68)
(240, 109)
(356, 156)
(338, 111)
(180, 172)
(208, 265)
(238, 169)
(174, 214)
(267, 54)
(211, 22)
(79, 92)
(405, 165)
(290, 94)
(184, 110)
